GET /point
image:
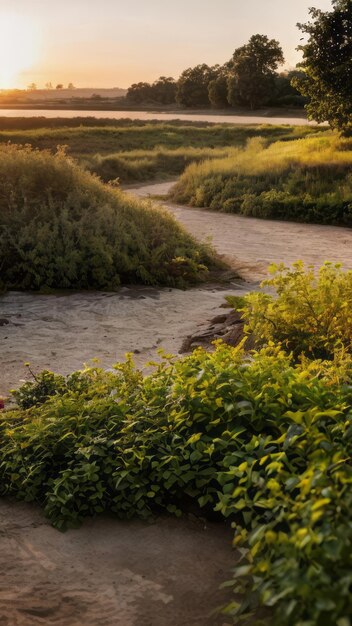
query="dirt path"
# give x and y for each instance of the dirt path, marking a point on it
(62, 332)
(111, 573)
(252, 244)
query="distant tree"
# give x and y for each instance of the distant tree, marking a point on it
(59, 86)
(192, 86)
(284, 91)
(163, 90)
(48, 86)
(32, 87)
(71, 86)
(139, 93)
(217, 91)
(327, 66)
(254, 66)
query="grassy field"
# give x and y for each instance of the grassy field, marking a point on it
(307, 180)
(136, 151)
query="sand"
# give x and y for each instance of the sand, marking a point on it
(62, 332)
(111, 573)
(251, 244)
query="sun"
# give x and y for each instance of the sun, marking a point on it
(19, 46)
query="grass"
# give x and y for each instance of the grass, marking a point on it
(306, 180)
(122, 148)
(63, 228)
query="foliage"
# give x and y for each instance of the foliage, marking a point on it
(260, 440)
(304, 311)
(252, 75)
(307, 180)
(217, 92)
(327, 66)
(162, 91)
(193, 84)
(62, 228)
(144, 165)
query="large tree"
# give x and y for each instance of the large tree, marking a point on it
(192, 86)
(254, 65)
(327, 65)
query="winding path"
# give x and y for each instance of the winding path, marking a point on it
(252, 244)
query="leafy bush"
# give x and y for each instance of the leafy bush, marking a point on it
(62, 228)
(259, 439)
(306, 180)
(305, 311)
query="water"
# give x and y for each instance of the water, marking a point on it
(166, 117)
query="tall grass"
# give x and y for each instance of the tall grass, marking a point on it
(306, 180)
(142, 165)
(60, 227)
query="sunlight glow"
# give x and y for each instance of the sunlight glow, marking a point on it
(19, 47)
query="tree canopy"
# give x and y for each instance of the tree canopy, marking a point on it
(252, 75)
(327, 65)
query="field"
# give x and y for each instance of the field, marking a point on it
(135, 152)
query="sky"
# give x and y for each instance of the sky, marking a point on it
(113, 43)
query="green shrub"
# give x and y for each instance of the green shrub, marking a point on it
(261, 440)
(305, 311)
(62, 228)
(306, 180)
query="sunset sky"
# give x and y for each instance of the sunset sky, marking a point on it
(107, 43)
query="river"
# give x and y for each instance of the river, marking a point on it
(165, 117)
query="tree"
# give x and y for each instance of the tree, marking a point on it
(59, 86)
(48, 86)
(327, 66)
(192, 86)
(32, 87)
(71, 86)
(217, 91)
(164, 90)
(139, 93)
(251, 80)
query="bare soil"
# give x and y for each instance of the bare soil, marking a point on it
(111, 573)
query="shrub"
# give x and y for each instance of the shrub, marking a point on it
(304, 311)
(259, 439)
(62, 228)
(306, 180)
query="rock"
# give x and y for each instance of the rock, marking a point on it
(228, 326)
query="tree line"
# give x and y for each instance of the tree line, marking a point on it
(250, 79)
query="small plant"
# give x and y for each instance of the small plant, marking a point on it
(307, 312)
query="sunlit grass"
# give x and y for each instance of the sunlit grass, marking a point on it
(305, 180)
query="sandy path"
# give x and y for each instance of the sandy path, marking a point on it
(62, 332)
(252, 244)
(110, 573)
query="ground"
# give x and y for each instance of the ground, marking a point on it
(111, 573)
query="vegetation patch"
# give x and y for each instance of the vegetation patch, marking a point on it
(263, 439)
(307, 180)
(134, 151)
(63, 228)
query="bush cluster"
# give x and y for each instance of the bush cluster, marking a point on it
(307, 180)
(62, 228)
(306, 312)
(260, 439)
